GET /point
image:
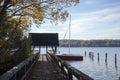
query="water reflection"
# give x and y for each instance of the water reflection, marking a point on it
(106, 64)
(116, 68)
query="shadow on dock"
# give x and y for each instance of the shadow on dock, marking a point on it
(44, 70)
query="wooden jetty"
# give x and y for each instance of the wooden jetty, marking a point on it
(44, 70)
(41, 68)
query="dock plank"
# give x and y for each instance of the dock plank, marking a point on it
(43, 70)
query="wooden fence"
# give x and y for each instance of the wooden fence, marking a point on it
(68, 71)
(20, 72)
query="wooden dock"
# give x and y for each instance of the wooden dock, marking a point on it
(44, 67)
(44, 70)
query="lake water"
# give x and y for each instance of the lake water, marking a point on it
(97, 69)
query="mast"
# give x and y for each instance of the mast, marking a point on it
(69, 32)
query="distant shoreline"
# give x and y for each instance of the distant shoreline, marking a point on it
(89, 43)
(89, 46)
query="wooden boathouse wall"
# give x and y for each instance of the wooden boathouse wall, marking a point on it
(45, 39)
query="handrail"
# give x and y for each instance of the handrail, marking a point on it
(20, 71)
(67, 70)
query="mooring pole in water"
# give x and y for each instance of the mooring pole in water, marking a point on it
(106, 57)
(98, 57)
(116, 62)
(115, 59)
(106, 60)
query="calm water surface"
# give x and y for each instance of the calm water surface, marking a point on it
(97, 69)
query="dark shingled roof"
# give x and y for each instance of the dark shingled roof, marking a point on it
(44, 39)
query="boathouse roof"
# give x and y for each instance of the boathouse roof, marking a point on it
(44, 39)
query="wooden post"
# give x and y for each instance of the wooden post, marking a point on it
(46, 49)
(55, 49)
(52, 48)
(98, 57)
(106, 58)
(115, 59)
(70, 77)
(39, 49)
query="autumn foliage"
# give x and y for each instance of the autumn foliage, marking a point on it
(16, 17)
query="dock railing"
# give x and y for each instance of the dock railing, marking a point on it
(20, 72)
(66, 69)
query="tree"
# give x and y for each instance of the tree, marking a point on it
(13, 45)
(16, 17)
(36, 11)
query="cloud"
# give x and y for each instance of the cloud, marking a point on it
(99, 16)
(99, 23)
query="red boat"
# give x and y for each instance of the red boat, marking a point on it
(70, 57)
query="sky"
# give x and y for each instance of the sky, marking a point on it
(90, 19)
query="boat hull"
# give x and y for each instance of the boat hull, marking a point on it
(70, 57)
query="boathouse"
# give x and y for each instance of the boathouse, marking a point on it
(45, 39)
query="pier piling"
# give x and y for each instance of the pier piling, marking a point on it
(106, 57)
(98, 57)
(115, 59)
